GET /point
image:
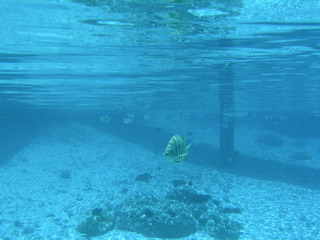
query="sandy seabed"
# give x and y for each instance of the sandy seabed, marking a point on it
(54, 183)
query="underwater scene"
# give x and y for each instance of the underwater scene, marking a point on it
(159, 119)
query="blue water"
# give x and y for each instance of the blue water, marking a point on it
(120, 55)
(191, 65)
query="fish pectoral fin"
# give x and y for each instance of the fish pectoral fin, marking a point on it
(183, 155)
(187, 147)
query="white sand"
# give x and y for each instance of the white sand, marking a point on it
(46, 206)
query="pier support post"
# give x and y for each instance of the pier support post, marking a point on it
(226, 147)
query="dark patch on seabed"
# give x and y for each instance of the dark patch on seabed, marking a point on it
(20, 127)
(17, 132)
(252, 167)
(205, 155)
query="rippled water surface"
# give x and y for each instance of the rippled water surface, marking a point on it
(160, 54)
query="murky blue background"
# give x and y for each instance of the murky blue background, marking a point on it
(79, 60)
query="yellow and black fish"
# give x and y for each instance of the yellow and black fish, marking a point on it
(177, 150)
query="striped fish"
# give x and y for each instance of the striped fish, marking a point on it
(177, 150)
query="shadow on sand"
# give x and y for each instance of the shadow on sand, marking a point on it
(206, 156)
